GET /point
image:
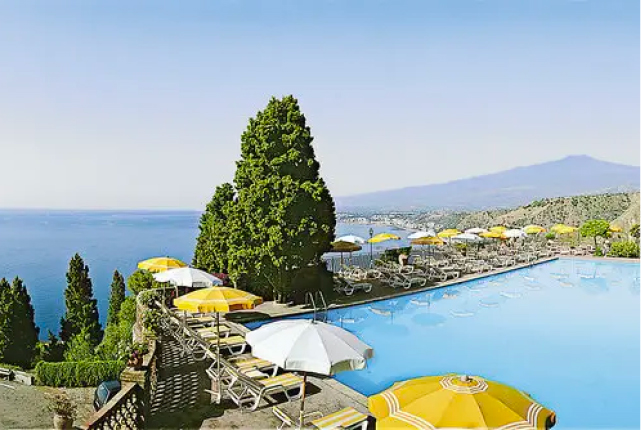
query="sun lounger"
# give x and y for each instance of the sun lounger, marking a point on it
(249, 361)
(247, 393)
(234, 344)
(348, 418)
(348, 287)
(212, 332)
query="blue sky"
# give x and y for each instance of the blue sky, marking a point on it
(100, 100)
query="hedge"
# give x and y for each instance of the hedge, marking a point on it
(624, 249)
(77, 373)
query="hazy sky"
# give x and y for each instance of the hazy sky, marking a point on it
(141, 104)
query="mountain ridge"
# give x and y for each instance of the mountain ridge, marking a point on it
(569, 176)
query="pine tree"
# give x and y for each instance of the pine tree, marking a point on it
(18, 331)
(116, 297)
(81, 308)
(212, 245)
(284, 218)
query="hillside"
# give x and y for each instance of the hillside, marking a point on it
(622, 208)
(570, 176)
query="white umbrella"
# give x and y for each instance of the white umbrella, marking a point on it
(420, 234)
(308, 346)
(515, 232)
(350, 238)
(466, 237)
(187, 277)
(476, 230)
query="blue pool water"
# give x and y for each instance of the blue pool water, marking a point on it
(566, 331)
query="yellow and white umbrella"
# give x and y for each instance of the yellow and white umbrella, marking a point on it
(447, 233)
(454, 401)
(382, 237)
(498, 228)
(160, 264)
(217, 299)
(493, 235)
(533, 229)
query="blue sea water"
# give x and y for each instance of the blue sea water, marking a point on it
(37, 247)
(567, 332)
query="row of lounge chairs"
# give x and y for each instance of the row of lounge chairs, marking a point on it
(246, 380)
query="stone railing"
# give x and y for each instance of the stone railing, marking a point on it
(130, 407)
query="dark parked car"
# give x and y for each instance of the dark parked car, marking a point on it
(105, 392)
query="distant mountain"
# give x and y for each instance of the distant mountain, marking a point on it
(621, 209)
(570, 176)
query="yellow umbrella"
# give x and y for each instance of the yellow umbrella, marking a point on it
(498, 229)
(453, 401)
(342, 246)
(493, 235)
(427, 241)
(382, 237)
(615, 229)
(566, 230)
(556, 228)
(217, 299)
(160, 264)
(533, 229)
(450, 232)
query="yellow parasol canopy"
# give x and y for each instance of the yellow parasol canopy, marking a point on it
(615, 229)
(342, 246)
(493, 235)
(453, 401)
(450, 232)
(565, 230)
(533, 229)
(160, 264)
(427, 241)
(382, 237)
(217, 299)
(556, 228)
(498, 229)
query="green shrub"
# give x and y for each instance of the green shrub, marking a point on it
(598, 252)
(151, 320)
(550, 235)
(624, 249)
(392, 254)
(311, 279)
(77, 373)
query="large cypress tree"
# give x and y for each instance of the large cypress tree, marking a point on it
(116, 297)
(18, 331)
(212, 245)
(284, 218)
(82, 308)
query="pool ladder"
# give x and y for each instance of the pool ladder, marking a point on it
(317, 301)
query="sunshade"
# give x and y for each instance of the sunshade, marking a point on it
(345, 247)
(448, 232)
(309, 346)
(493, 235)
(453, 401)
(466, 237)
(160, 264)
(382, 237)
(476, 230)
(350, 238)
(562, 228)
(428, 241)
(533, 229)
(514, 233)
(217, 299)
(188, 277)
(421, 234)
(498, 228)
(615, 229)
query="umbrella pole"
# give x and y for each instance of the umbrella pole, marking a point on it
(302, 402)
(218, 356)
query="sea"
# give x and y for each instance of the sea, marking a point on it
(36, 245)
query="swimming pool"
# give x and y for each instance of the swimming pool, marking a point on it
(567, 332)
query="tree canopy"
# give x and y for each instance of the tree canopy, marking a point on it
(279, 217)
(116, 297)
(595, 228)
(81, 307)
(18, 331)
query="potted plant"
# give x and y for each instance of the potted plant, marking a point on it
(64, 411)
(138, 350)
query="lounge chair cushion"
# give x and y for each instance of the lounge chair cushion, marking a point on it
(286, 380)
(344, 418)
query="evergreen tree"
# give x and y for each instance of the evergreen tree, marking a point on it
(284, 217)
(18, 331)
(116, 297)
(81, 308)
(212, 245)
